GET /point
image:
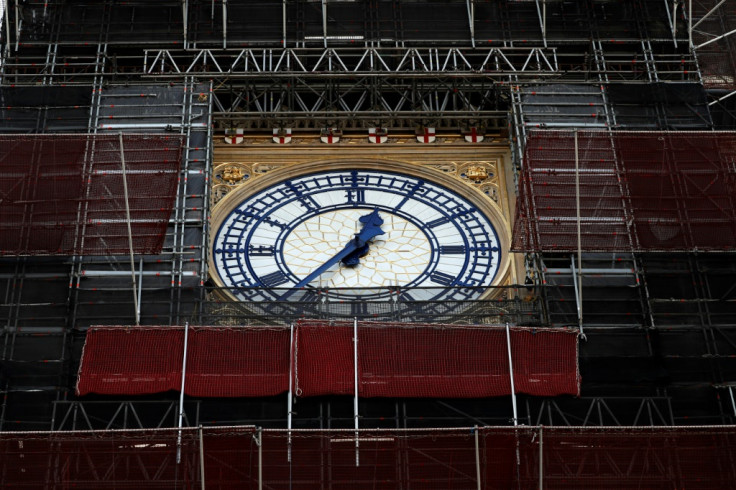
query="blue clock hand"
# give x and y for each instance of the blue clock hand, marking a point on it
(371, 229)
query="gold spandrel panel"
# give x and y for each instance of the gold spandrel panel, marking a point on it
(481, 166)
(484, 167)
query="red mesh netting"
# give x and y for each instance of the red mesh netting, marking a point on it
(651, 191)
(693, 458)
(248, 361)
(127, 459)
(635, 458)
(395, 360)
(226, 362)
(387, 459)
(131, 361)
(417, 360)
(63, 194)
(323, 360)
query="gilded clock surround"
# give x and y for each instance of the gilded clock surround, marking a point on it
(475, 171)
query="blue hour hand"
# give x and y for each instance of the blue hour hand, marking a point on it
(351, 253)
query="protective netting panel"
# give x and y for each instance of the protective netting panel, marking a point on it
(249, 361)
(143, 459)
(651, 458)
(64, 194)
(131, 361)
(490, 458)
(332, 348)
(423, 360)
(224, 362)
(654, 191)
(394, 360)
(385, 459)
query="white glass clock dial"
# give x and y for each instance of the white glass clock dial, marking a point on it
(399, 256)
(435, 243)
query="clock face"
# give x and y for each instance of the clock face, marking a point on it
(433, 243)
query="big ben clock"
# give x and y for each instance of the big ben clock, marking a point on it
(356, 230)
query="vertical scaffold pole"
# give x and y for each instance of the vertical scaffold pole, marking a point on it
(259, 443)
(17, 25)
(289, 395)
(324, 21)
(690, 24)
(130, 232)
(185, 21)
(7, 27)
(224, 24)
(541, 459)
(511, 373)
(580, 245)
(355, 387)
(181, 392)
(201, 457)
(283, 24)
(477, 458)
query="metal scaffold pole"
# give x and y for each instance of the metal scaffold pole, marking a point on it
(181, 392)
(290, 394)
(541, 458)
(355, 387)
(201, 457)
(578, 278)
(511, 374)
(7, 26)
(477, 458)
(130, 232)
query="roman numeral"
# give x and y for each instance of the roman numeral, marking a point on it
(442, 278)
(355, 195)
(452, 249)
(303, 199)
(274, 279)
(245, 217)
(438, 222)
(261, 250)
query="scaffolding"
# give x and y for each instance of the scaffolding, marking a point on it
(659, 328)
(641, 192)
(93, 276)
(465, 457)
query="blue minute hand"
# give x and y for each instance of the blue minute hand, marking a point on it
(371, 228)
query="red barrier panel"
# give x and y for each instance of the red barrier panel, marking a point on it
(394, 360)
(227, 362)
(323, 360)
(653, 191)
(144, 459)
(421, 360)
(64, 195)
(238, 362)
(490, 458)
(633, 458)
(131, 361)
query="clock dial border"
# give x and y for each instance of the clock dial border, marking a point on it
(230, 203)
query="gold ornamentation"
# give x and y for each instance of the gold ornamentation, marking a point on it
(477, 173)
(232, 174)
